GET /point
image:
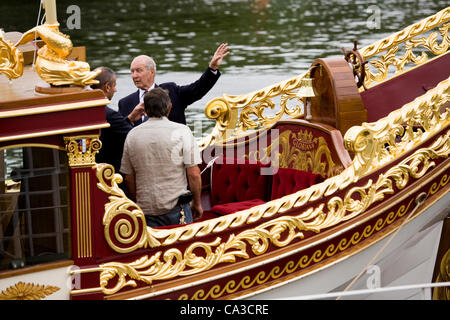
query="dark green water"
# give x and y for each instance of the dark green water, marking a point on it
(270, 40)
(266, 36)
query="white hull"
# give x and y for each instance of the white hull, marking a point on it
(408, 259)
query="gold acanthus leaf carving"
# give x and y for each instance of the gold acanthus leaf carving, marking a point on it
(81, 150)
(27, 291)
(375, 144)
(390, 45)
(11, 59)
(406, 34)
(389, 59)
(225, 110)
(173, 262)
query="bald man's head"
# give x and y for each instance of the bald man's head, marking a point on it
(143, 69)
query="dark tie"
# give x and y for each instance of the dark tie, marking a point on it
(144, 118)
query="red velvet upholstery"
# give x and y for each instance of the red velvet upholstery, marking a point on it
(287, 181)
(232, 207)
(232, 182)
(207, 214)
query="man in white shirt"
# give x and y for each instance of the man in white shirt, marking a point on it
(160, 160)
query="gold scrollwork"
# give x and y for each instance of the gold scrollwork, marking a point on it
(81, 150)
(11, 59)
(216, 292)
(406, 36)
(225, 109)
(443, 293)
(375, 144)
(128, 232)
(27, 291)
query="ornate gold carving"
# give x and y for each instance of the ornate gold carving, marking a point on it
(51, 63)
(301, 151)
(81, 150)
(128, 232)
(373, 144)
(27, 291)
(281, 231)
(443, 293)
(377, 143)
(11, 59)
(225, 109)
(216, 291)
(391, 46)
(174, 263)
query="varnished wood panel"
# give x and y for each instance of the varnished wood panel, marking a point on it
(338, 102)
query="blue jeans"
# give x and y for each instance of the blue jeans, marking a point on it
(170, 218)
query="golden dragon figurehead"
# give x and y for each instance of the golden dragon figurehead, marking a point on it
(51, 62)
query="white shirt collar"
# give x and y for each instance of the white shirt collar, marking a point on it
(141, 92)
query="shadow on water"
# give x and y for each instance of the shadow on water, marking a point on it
(270, 40)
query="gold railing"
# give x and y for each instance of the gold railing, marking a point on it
(233, 113)
(378, 67)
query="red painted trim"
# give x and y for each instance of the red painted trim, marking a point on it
(381, 99)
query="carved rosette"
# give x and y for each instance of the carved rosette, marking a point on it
(27, 291)
(81, 150)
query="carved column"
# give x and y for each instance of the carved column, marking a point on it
(81, 152)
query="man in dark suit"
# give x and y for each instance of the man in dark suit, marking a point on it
(143, 69)
(113, 138)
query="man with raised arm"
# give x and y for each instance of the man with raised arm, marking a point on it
(143, 71)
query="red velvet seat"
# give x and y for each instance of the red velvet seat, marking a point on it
(287, 181)
(207, 214)
(232, 182)
(239, 186)
(227, 208)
